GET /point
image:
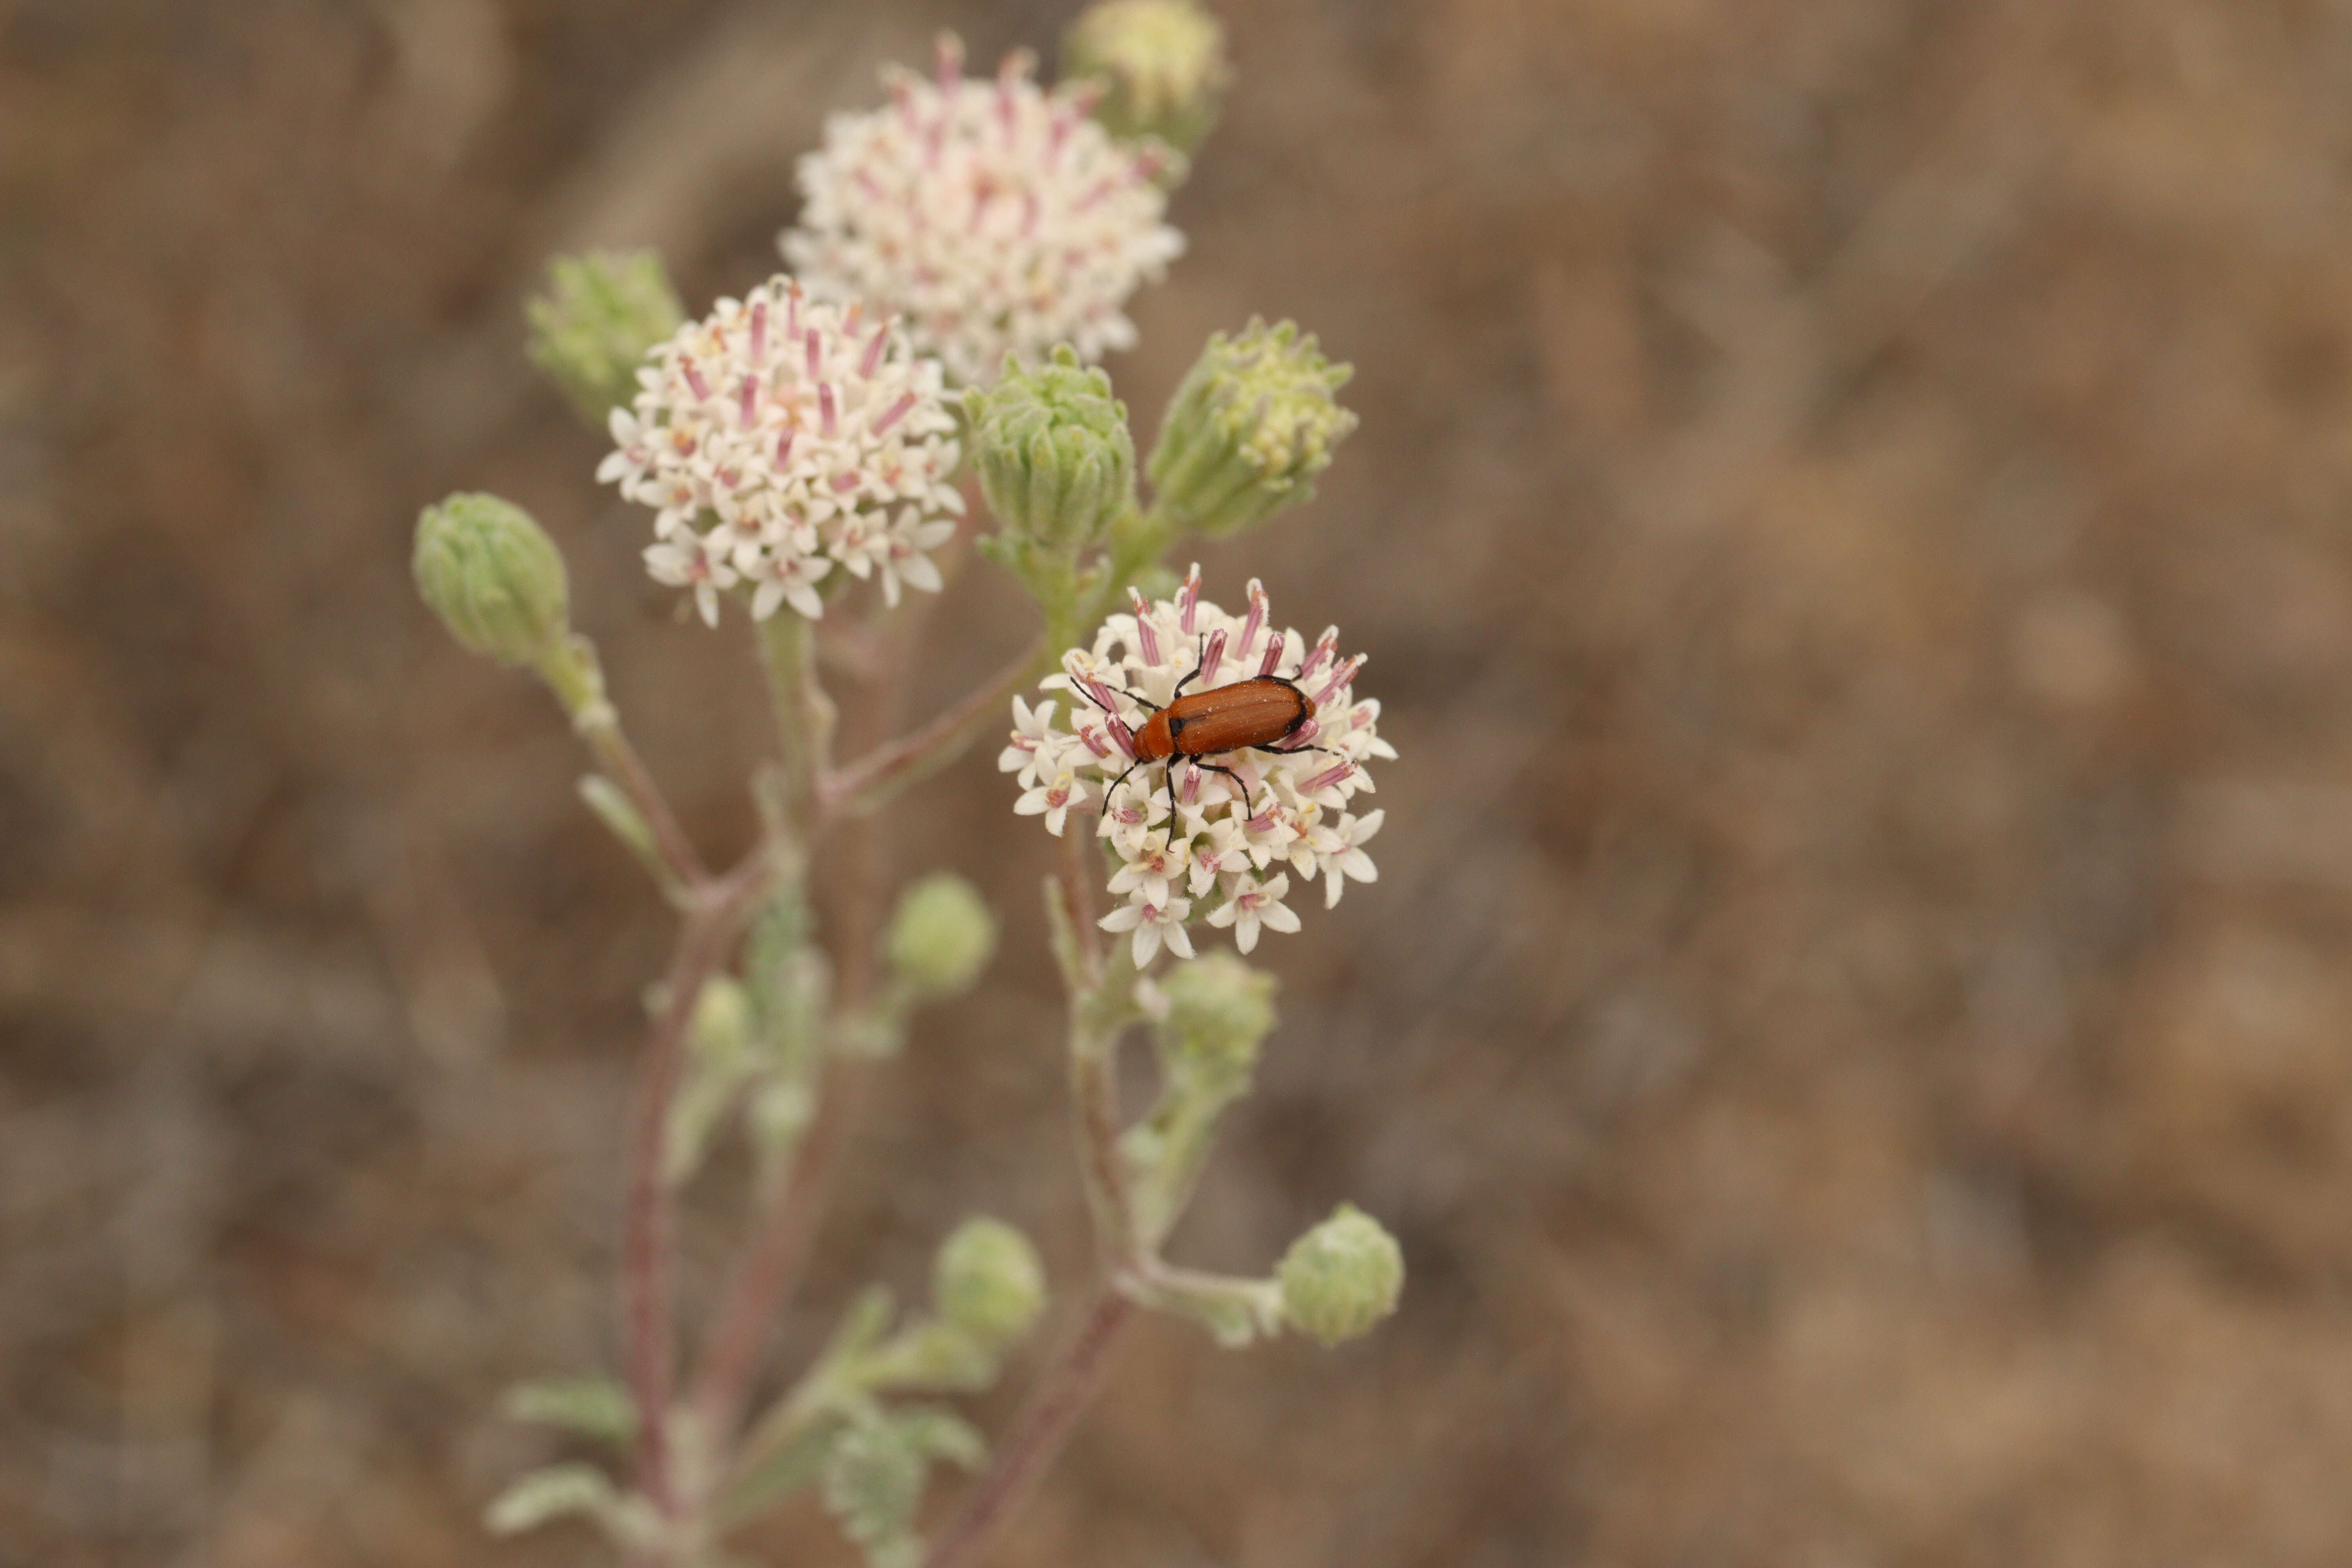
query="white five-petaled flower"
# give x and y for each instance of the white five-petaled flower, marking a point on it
(778, 437)
(1190, 838)
(991, 214)
(1255, 904)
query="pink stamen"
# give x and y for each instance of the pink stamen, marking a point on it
(1326, 778)
(1148, 634)
(1304, 735)
(815, 351)
(826, 413)
(1095, 193)
(744, 399)
(1213, 658)
(1192, 784)
(1339, 679)
(844, 483)
(1086, 734)
(1029, 210)
(792, 312)
(1124, 736)
(1254, 619)
(784, 448)
(1273, 655)
(1189, 597)
(897, 412)
(1261, 822)
(759, 330)
(1323, 649)
(694, 378)
(874, 350)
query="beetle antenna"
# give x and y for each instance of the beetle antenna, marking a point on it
(1201, 662)
(1117, 782)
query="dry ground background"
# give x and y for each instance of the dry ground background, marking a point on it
(1854, 1032)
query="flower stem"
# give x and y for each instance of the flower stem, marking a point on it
(874, 778)
(770, 1270)
(646, 1262)
(626, 768)
(805, 714)
(1101, 1007)
(1044, 1423)
(573, 674)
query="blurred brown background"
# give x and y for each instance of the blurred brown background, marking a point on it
(1855, 1029)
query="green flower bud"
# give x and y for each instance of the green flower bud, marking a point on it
(1055, 459)
(1342, 1276)
(494, 578)
(1162, 64)
(590, 331)
(1219, 1011)
(721, 1029)
(940, 936)
(1248, 430)
(988, 1281)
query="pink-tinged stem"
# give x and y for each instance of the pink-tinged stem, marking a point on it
(628, 771)
(647, 1246)
(1038, 1433)
(770, 1271)
(881, 773)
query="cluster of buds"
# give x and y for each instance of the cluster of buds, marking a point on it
(778, 437)
(995, 217)
(1253, 424)
(593, 328)
(1213, 837)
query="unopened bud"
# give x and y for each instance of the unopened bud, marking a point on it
(721, 1029)
(1253, 424)
(940, 936)
(1056, 459)
(494, 578)
(1219, 1011)
(988, 1281)
(591, 330)
(1162, 64)
(1342, 1276)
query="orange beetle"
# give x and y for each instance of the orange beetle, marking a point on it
(1248, 715)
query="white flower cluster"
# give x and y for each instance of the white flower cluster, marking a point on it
(993, 216)
(1218, 854)
(778, 437)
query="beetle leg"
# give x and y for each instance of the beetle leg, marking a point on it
(1239, 787)
(1201, 662)
(1293, 751)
